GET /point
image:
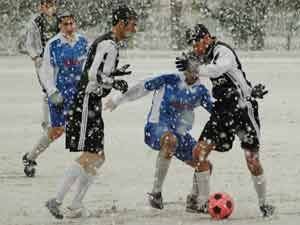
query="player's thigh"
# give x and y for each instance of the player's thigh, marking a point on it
(248, 129)
(152, 135)
(57, 117)
(185, 146)
(219, 132)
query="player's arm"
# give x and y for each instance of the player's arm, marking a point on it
(104, 64)
(47, 74)
(138, 91)
(222, 62)
(32, 47)
(206, 100)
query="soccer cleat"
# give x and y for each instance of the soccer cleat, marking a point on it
(267, 210)
(192, 205)
(29, 169)
(81, 212)
(53, 207)
(156, 200)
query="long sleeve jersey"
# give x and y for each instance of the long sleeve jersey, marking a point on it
(40, 30)
(173, 100)
(102, 60)
(229, 81)
(62, 64)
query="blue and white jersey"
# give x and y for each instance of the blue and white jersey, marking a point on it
(173, 101)
(62, 64)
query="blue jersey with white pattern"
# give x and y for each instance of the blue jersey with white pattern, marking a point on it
(68, 62)
(174, 101)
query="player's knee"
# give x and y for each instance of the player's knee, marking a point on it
(55, 132)
(201, 151)
(203, 166)
(91, 162)
(168, 143)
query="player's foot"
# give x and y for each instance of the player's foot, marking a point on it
(77, 213)
(192, 205)
(156, 200)
(53, 207)
(29, 164)
(267, 210)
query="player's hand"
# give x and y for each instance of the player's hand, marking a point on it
(37, 61)
(120, 85)
(258, 91)
(110, 105)
(57, 99)
(121, 71)
(182, 63)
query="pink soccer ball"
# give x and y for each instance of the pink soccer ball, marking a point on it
(220, 205)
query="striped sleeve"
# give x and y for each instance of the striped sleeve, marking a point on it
(104, 62)
(222, 62)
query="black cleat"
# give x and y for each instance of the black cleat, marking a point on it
(192, 205)
(29, 169)
(156, 200)
(267, 210)
(53, 207)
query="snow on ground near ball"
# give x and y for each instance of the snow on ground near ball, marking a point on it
(128, 173)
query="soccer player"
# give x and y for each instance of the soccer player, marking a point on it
(41, 29)
(176, 96)
(235, 111)
(84, 126)
(61, 70)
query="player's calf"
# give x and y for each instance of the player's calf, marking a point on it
(253, 163)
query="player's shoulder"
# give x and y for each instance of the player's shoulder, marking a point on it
(105, 41)
(54, 41)
(171, 77)
(81, 38)
(222, 47)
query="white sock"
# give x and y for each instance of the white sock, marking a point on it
(71, 175)
(40, 147)
(84, 182)
(260, 188)
(161, 170)
(195, 190)
(202, 179)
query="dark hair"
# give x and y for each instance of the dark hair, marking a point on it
(65, 14)
(124, 13)
(196, 33)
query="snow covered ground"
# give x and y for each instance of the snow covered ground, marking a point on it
(128, 173)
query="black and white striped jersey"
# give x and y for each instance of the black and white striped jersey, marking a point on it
(229, 81)
(102, 60)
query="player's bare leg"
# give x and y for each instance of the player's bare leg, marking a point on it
(197, 200)
(83, 170)
(168, 143)
(29, 159)
(259, 181)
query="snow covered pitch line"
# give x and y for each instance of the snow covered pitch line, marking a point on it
(127, 175)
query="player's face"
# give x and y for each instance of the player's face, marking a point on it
(130, 28)
(200, 47)
(49, 8)
(68, 25)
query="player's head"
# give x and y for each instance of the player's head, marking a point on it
(67, 23)
(200, 38)
(124, 21)
(48, 7)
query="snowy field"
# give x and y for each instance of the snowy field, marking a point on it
(127, 176)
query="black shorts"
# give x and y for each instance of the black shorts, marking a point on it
(84, 124)
(225, 123)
